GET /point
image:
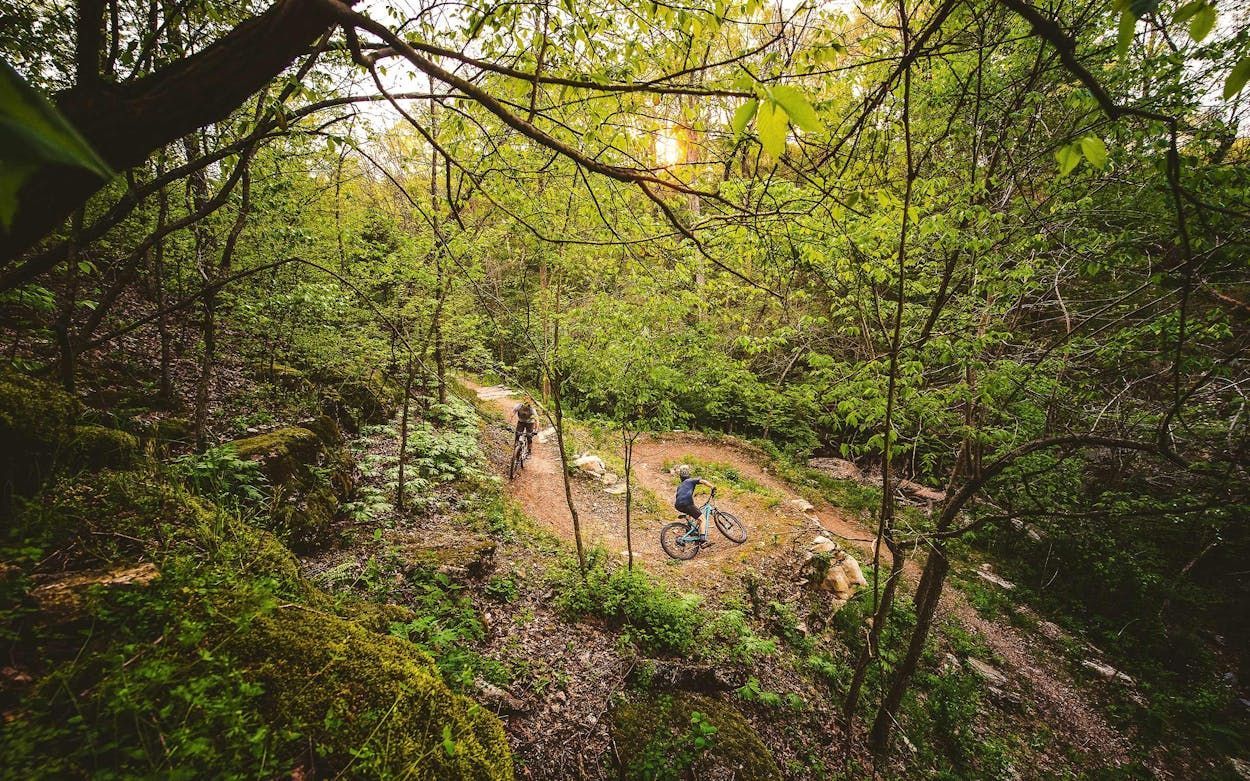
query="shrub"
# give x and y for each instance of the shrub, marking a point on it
(658, 619)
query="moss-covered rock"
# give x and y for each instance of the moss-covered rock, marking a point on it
(282, 453)
(205, 655)
(657, 737)
(36, 419)
(109, 518)
(373, 703)
(356, 401)
(100, 447)
(287, 377)
(326, 429)
(170, 432)
(308, 480)
(466, 558)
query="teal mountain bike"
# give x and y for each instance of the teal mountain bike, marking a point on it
(684, 539)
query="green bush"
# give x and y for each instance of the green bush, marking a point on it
(657, 618)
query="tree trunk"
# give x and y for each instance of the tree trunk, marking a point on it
(403, 438)
(126, 122)
(557, 387)
(158, 277)
(928, 595)
(628, 440)
(208, 362)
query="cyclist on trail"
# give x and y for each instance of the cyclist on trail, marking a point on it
(526, 423)
(685, 497)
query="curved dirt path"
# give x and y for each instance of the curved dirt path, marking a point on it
(776, 517)
(776, 524)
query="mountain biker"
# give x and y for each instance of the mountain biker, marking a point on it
(685, 497)
(526, 423)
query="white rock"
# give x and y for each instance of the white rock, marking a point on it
(616, 489)
(802, 505)
(1105, 671)
(838, 468)
(590, 464)
(609, 478)
(986, 574)
(989, 672)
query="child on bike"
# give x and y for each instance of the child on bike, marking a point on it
(685, 498)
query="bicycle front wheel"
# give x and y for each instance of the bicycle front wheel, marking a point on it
(730, 526)
(517, 463)
(672, 540)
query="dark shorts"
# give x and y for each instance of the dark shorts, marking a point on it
(691, 509)
(526, 426)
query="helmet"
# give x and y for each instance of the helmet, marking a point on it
(683, 472)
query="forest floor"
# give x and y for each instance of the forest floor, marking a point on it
(554, 679)
(1037, 675)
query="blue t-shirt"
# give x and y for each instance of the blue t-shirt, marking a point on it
(685, 491)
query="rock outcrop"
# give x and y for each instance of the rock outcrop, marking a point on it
(309, 478)
(829, 567)
(655, 738)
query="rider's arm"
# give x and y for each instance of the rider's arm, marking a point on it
(705, 482)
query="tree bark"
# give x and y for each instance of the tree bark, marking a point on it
(202, 395)
(127, 122)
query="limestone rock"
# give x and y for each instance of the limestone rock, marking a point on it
(1105, 671)
(837, 468)
(590, 464)
(989, 672)
(802, 505)
(829, 567)
(986, 573)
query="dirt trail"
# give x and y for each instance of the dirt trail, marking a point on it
(776, 520)
(776, 517)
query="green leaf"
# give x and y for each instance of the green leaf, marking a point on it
(1124, 36)
(1187, 11)
(744, 114)
(1202, 23)
(1237, 78)
(771, 124)
(797, 108)
(1095, 151)
(1069, 157)
(1142, 7)
(33, 131)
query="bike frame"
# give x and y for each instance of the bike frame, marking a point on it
(701, 526)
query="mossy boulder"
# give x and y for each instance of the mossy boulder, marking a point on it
(201, 653)
(371, 703)
(658, 737)
(113, 517)
(100, 447)
(356, 401)
(287, 377)
(465, 558)
(36, 420)
(325, 428)
(308, 479)
(171, 432)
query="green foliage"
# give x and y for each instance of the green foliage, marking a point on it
(668, 758)
(447, 627)
(652, 614)
(675, 736)
(221, 476)
(33, 134)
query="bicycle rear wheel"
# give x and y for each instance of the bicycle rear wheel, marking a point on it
(730, 526)
(671, 540)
